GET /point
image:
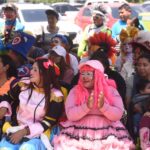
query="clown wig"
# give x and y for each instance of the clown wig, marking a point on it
(101, 83)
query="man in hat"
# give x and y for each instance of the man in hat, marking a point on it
(51, 30)
(98, 25)
(9, 25)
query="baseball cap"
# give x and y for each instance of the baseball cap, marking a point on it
(52, 12)
(10, 6)
(59, 50)
(61, 37)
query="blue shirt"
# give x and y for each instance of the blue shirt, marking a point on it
(117, 27)
(17, 27)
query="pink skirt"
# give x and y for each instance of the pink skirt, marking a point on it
(93, 132)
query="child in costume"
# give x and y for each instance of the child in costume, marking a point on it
(94, 109)
(37, 102)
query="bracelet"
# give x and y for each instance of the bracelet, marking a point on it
(27, 130)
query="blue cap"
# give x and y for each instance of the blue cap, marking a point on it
(21, 43)
(62, 38)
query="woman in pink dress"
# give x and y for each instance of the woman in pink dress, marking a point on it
(94, 109)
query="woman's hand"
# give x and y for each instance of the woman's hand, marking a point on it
(17, 136)
(90, 102)
(100, 100)
(3, 111)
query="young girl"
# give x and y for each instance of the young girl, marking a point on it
(38, 103)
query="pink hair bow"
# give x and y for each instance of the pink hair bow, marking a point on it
(50, 63)
(47, 64)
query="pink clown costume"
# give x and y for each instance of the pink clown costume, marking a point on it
(94, 129)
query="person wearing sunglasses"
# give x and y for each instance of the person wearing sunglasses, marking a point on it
(99, 17)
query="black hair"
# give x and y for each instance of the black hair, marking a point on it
(70, 42)
(12, 70)
(36, 52)
(126, 7)
(49, 77)
(142, 83)
(102, 57)
(144, 55)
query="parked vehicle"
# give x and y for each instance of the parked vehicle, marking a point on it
(91, 2)
(67, 10)
(34, 18)
(83, 17)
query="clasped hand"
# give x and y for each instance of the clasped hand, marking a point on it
(17, 136)
(90, 102)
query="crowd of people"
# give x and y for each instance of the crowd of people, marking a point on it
(96, 99)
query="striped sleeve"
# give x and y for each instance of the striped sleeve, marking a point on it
(54, 111)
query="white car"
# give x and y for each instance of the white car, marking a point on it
(67, 10)
(33, 17)
(91, 2)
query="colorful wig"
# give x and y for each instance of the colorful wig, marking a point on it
(127, 35)
(105, 43)
(101, 83)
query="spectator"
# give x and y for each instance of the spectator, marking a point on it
(142, 72)
(98, 25)
(137, 107)
(141, 57)
(34, 53)
(94, 109)
(63, 40)
(8, 72)
(39, 104)
(51, 30)
(125, 13)
(58, 56)
(124, 63)
(18, 50)
(9, 25)
(145, 129)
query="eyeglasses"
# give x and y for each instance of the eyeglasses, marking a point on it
(87, 74)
